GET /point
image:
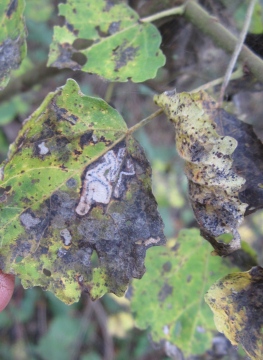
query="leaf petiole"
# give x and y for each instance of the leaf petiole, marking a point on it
(143, 122)
(179, 10)
(235, 75)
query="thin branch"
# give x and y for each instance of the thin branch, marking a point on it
(144, 122)
(179, 10)
(235, 75)
(29, 79)
(109, 92)
(222, 37)
(237, 50)
(102, 320)
(83, 328)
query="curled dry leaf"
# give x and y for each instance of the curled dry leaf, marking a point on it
(236, 301)
(214, 185)
(76, 207)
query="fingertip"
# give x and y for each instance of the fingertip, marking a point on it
(7, 285)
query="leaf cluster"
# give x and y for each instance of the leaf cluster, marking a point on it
(77, 210)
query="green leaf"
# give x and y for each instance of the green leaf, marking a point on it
(59, 341)
(12, 38)
(170, 297)
(236, 301)
(76, 207)
(121, 46)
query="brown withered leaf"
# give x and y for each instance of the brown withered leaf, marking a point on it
(214, 182)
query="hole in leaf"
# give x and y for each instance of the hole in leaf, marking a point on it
(46, 272)
(80, 58)
(81, 44)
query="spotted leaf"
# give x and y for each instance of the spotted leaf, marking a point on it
(169, 299)
(76, 208)
(214, 183)
(106, 39)
(12, 38)
(236, 301)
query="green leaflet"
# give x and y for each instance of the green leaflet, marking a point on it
(120, 48)
(170, 297)
(76, 207)
(12, 38)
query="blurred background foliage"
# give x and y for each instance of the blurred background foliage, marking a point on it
(38, 326)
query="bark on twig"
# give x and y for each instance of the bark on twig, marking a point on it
(222, 37)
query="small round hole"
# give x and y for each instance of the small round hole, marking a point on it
(46, 272)
(80, 58)
(81, 44)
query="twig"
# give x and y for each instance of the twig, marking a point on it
(109, 92)
(222, 37)
(179, 10)
(144, 122)
(32, 77)
(102, 320)
(84, 324)
(235, 75)
(237, 50)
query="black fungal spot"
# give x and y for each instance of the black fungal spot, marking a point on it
(123, 54)
(167, 266)
(165, 291)
(12, 7)
(10, 55)
(71, 183)
(85, 139)
(70, 27)
(114, 27)
(109, 5)
(106, 142)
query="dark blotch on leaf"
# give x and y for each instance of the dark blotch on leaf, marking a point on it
(71, 183)
(70, 27)
(114, 27)
(122, 55)
(9, 56)
(64, 59)
(165, 291)
(167, 266)
(12, 7)
(85, 139)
